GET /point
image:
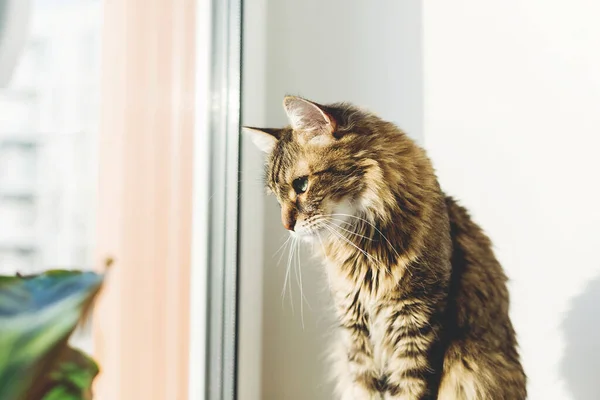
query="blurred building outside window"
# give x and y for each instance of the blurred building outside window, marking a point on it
(48, 141)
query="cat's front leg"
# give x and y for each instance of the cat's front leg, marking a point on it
(356, 374)
(409, 338)
(354, 370)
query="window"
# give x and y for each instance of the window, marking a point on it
(48, 129)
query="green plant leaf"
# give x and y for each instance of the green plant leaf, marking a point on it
(37, 316)
(72, 377)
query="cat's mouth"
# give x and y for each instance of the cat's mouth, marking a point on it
(312, 228)
(334, 220)
(321, 227)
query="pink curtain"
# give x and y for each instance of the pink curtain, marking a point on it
(141, 323)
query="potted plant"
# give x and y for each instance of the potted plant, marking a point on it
(38, 314)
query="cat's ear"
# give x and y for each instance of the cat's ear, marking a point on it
(310, 118)
(264, 138)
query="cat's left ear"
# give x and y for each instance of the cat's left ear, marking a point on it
(264, 138)
(312, 119)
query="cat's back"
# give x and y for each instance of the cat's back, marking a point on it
(478, 291)
(481, 361)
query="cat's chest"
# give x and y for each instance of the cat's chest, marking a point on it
(378, 317)
(358, 302)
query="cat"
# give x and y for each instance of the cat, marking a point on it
(421, 300)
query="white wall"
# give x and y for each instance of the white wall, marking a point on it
(365, 52)
(512, 122)
(507, 97)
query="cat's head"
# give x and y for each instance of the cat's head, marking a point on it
(325, 168)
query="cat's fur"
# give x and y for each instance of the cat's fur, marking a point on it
(421, 300)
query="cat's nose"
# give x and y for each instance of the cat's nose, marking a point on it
(288, 218)
(289, 224)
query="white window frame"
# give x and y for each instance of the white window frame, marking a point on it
(215, 201)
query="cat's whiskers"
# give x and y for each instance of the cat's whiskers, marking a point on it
(340, 236)
(287, 280)
(349, 231)
(282, 245)
(299, 273)
(281, 248)
(324, 219)
(372, 225)
(321, 242)
(381, 233)
(294, 263)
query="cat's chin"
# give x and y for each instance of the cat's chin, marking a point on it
(309, 236)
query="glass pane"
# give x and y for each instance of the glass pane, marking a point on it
(48, 130)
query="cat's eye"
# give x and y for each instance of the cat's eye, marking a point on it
(300, 184)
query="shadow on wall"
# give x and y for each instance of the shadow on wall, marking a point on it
(580, 365)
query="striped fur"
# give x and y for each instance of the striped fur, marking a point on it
(421, 300)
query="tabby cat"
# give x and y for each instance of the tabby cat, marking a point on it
(421, 300)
